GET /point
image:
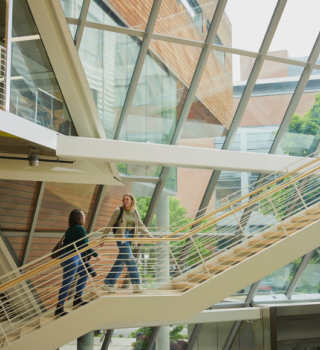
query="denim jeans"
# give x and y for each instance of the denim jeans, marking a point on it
(71, 267)
(125, 256)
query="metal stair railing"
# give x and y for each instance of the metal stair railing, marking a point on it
(215, 245)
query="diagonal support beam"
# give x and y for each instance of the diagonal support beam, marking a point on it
(138, 67)
(107, 339)
(245, 97)
(302, 267)
(199, 70)
(236, 326)
(102, 191)
(194, 336)
(9, 10)
(153, 337)
(33, 222)
(296, 96)
(82, 22)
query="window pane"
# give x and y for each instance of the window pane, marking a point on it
(59, 200)
(22, 20)
(249, 20)
(108, 60)
(303, 134)
(266, 107)
(310, 279)
(72, 8)
(286, 35)
(17, 202)
(189, 19)
(132, 14)
(279, 281)
(160, 93)
(212, 111)
(35, 94)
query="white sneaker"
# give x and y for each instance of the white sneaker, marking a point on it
(107, 288)
(137, 288)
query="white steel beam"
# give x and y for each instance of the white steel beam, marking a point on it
(82, 21)
(98, 150)
(207, 316)
(33, 222)
(23, 128)
(66, 64)
(138, 67)
(9, 10)
(78, 172)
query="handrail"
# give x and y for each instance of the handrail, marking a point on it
(241, 198)
(52, 263)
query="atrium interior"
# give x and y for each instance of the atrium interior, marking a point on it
(208, 112)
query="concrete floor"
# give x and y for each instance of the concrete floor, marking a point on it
(116, 344)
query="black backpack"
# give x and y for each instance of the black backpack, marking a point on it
(116, 224)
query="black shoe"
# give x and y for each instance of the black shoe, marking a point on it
(60, 311)
(78, 301)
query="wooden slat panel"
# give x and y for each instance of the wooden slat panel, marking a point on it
(17, 199)
(59, 200)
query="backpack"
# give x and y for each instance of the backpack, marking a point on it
(56, 254)
(116, 224)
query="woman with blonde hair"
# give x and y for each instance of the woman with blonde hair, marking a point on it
(126, 222)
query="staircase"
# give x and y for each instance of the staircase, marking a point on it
(247, 237)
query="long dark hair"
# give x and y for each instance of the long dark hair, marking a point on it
(75, 217)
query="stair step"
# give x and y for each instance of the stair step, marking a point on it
(306, 218)
(47, 319)
(313, 211)
(248, 251)
(297, 225)
(182, 286)
(233, 259)
(13, 336)
(218, 268)
(264, 242)
(275, 234)
(28, 329)
(198, 277)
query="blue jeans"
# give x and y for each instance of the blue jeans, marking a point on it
(125, 256)
(71, 267)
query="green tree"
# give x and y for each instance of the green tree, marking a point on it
(296, 142)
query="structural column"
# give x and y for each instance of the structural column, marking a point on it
(162, 267)
(86, 342)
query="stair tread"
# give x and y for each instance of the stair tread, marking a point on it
(233, 258)
(264, 241)
(306, 218)
(219, 267)
(249, 250)
(274, 234)
(199, 275)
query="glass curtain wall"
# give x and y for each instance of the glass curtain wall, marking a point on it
(35, 94)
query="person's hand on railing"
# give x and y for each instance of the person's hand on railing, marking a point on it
(99, 258)
(101, 244)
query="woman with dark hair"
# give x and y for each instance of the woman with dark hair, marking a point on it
(127, 223)
(74, 264)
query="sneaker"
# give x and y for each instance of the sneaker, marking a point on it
(78, 301)
(137, 288)
(107, 288)
(60, 311)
